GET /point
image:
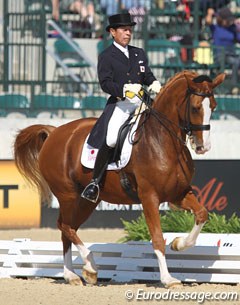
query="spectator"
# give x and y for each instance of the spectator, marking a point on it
(109, 7)
(185, 7)
(137, 9)
(66, 5)
(92, 18)
(225, 35)
(88, 18)
(128, 4)
(204, 5)
(160, 4)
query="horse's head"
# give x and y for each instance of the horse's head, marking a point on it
(195, 111)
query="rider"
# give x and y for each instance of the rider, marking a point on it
(122, 70)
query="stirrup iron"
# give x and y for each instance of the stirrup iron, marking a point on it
(91, 192)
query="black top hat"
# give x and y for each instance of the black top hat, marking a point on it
(118, 20)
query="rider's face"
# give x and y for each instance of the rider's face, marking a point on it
(122, 35)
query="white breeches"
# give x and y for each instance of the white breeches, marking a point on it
(122, 111)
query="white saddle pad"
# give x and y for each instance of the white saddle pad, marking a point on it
(89, 153)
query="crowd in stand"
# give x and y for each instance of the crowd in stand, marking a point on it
(217, 16)
(92, 12)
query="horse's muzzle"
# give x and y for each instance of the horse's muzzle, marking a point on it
(200, 150)
(199, 147)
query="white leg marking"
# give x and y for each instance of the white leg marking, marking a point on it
(165, 276)
(68, 259)
(87, 257)
(184, 243)
(193, 235)
(68, 271)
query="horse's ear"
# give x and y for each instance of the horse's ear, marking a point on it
(218, 80)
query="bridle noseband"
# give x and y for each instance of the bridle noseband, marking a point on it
(188, 126)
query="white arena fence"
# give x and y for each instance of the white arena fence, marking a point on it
(214, 259)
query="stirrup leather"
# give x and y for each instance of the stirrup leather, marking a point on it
(91, 192)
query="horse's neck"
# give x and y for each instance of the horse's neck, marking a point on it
(167, 104)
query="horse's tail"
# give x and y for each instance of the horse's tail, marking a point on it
(27, 147)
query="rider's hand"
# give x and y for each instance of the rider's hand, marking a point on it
(135, 88)
(155, 87)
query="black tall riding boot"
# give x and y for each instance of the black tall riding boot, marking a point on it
(91, 191)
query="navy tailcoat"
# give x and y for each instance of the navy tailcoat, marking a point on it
(115, 70)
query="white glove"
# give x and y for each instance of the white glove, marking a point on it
(155, 86)
(135, 88)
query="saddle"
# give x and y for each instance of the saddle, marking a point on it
(124, 131)
(122, 134)
(122, 152)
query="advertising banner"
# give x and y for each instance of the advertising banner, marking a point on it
(19, 203)
(216, 184)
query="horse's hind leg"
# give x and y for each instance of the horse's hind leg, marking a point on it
(72, 215)
(191, 203)
(69, 275)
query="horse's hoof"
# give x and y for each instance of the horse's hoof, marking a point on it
(175, 244)
(90, 278)
(180, 244)
(171, 282)
(75, 282)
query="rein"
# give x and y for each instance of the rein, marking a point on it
(188, 127)
(146, 99)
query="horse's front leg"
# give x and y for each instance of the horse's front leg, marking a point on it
(191, 203)
(151, 212)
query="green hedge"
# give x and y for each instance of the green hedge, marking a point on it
(180, 221)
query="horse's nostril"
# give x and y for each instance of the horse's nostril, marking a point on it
(199, 148)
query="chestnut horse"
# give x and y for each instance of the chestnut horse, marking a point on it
(160, 168)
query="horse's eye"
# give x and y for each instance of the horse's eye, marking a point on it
(195, 110)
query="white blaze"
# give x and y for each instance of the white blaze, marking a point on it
(206, 120)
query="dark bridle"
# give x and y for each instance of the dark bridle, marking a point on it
(188, 126)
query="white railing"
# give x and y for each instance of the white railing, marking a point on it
(218, 261)
(79, 51)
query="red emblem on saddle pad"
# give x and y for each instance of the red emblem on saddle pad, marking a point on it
(92, 154)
